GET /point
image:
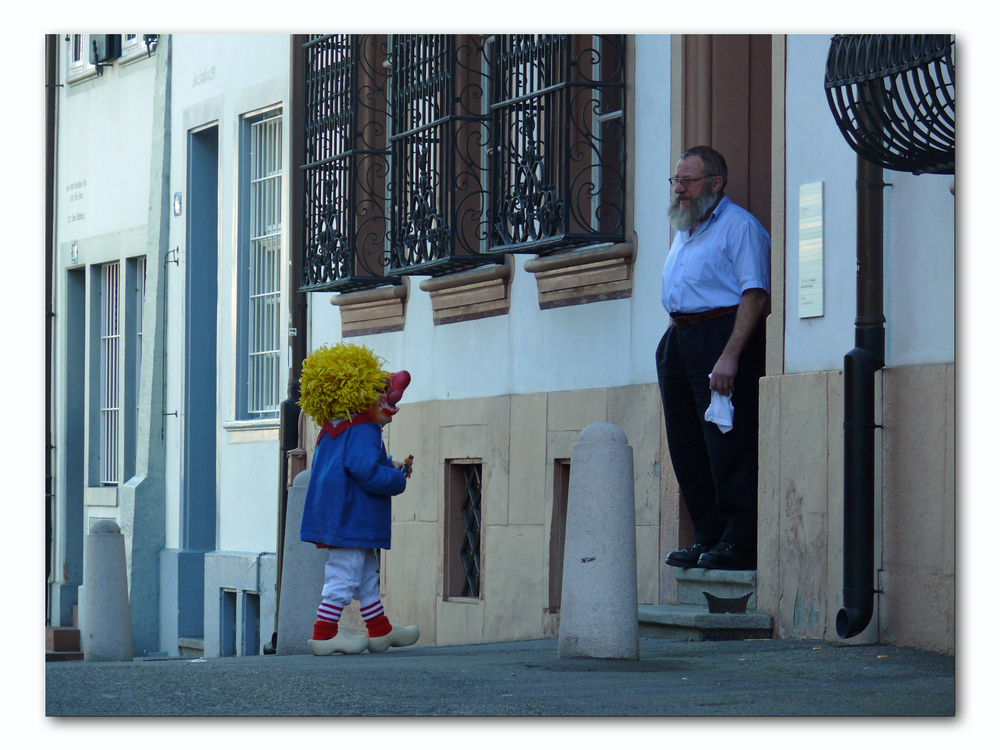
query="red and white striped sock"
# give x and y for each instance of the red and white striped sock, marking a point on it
(327, 617)
(375, 620)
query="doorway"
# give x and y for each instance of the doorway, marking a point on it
(199, 455)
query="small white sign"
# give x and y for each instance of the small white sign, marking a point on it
(811, 250)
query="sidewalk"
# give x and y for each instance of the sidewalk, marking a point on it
(766, 678)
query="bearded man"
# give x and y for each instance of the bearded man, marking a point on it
(716, 287)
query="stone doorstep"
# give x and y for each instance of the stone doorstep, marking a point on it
(62, 639)
(64, 656)
(62, 644)
(725, 584)
(691, 622)
(194, 647)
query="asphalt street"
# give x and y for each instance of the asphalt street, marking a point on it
(765, 678)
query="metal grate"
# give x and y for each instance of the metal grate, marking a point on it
(559, 133)
(893, 97)
(439, 153)
(426, 154)
(472, 516)
(109, 380)
(346, 163)
(264, 277)
(140, 301)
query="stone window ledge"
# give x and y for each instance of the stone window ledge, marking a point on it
(470, 295)
(251, 430)
(590, 274)
(379, 310)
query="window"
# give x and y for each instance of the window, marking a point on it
(463, 526)
(139, 301)
(557, 532)
(131, 44)
(558, 130)
(346, 162)
(78, 56)
(496, 144)
(88, 54)
(117, 292)
(109, 376)
(439, 139)
(259, 369)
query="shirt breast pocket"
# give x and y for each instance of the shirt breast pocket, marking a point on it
(710, 264)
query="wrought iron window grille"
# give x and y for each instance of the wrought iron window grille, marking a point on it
(430, 154)
(440, 135)
(472, 516)
(559, 142)
(893, 98)
(346, 163)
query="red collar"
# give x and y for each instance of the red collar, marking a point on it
(331, 429)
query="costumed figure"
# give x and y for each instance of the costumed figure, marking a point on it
(348, 503)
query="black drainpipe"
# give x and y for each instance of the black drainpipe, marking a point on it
(51, 104)
(288, 432)
(860, 366)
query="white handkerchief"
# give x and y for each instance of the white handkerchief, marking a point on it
(720, 411)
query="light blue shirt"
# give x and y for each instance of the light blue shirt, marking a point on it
(728, 254)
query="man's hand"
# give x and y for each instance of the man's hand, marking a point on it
(752, 307)
(723, 376)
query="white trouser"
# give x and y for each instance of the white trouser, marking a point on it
(351, 573)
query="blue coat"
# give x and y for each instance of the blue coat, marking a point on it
(348, 502)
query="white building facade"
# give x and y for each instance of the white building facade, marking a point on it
(177, 167)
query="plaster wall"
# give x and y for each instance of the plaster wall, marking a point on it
(800, 533)
(529, 350)
(919, 217)
(800, 537)
(109, 162)
(219, 78)
(518, 438)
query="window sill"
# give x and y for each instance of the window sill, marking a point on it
(379, 310)
(106, 497)
(80, 75)
(590, 274)
(252, 430)
(135, 55)
(470, 295)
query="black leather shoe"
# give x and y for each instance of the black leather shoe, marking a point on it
(689, 556)
(729, 556)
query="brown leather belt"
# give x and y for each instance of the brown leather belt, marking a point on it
(682, 320)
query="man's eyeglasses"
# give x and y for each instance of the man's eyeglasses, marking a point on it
(686, 181)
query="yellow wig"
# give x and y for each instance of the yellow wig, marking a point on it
(340, 381)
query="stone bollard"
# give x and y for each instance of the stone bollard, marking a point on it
(302, 573)
(599, 612)
(106, 624)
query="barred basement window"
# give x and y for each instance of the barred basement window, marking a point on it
(109, 383)
(557, 531)
(463, 525)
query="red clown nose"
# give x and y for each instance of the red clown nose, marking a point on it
(395, 385)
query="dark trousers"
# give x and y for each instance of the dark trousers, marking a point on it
(716, 471)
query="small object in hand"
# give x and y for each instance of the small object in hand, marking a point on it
(408, 463)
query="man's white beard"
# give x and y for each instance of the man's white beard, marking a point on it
(684, 217)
